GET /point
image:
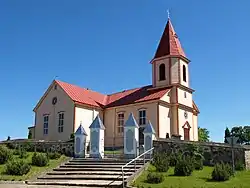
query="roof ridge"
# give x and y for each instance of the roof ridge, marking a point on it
(128, 90)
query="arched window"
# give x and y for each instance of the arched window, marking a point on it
(162, 74)
(184, 71)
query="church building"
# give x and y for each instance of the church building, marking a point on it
(167, 102)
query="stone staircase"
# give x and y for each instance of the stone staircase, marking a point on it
(88, 173)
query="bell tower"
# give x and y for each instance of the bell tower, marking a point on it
(170, 68)
(170, 64)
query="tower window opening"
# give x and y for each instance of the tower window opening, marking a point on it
(184, 71)
(162, 73)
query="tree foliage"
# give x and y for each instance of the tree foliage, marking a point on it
(243, 134)
(227, 134)
(203, 134)
(30, 135)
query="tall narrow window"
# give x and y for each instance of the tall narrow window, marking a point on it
(162, 73)
(120, 123)
(142, 117)
(45, 124)
(61, 122)
(184, 71)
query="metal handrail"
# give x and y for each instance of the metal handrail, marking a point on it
(134, 160)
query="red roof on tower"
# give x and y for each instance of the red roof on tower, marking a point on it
(169, 43)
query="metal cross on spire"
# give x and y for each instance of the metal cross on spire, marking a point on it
(168, 14)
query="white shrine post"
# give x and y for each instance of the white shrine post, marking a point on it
(131, 138)
(149, 136)
(97, 138)
(80, 142)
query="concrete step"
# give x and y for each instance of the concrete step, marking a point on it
(82, 177)
(89, 173)
(104, 160)
(98, 166)
(103, 164)
(86, 183)
(75, 168)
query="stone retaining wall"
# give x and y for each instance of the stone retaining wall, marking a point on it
(63, 147)
(247, 159)
(213, 152)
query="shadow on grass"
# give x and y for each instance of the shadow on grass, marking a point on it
(209, 179)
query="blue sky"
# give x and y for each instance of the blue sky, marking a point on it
(107, 46)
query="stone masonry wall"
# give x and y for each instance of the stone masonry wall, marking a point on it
(66, 148)
(213, 152)
(247, 159)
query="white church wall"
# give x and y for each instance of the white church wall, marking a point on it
(85, 116)
(188, 100)
(183, 120)
(64, 104)
(109, 121)
(164, 121)
(166, 97)
(195, 127)
(113, 138)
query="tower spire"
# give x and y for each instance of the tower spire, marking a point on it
(169, 43)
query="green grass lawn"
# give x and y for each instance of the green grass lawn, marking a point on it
(34, 171)
(199, 179)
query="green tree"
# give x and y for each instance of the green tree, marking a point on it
(239, 132)
(203, 134)
(30, 135)
(247, 134)
(227, 134)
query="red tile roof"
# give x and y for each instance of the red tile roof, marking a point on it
(169, 43)
(135, 95)
(89, 97)
(82, 95)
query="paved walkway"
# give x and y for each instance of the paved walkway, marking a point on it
(32, 186)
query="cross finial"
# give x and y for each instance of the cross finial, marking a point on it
(168, 14)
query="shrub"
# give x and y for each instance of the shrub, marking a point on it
(17, 167)
(221, 172)
(161, 162)
(16, 152)
(154, 177)
(172, 159)
(40, 159)
(54, 155)
(229, 169)
(5, 154)
(198, 164)
(239, 166)
(184, 166)
(28, 146)
(11, 145)
(23, 154)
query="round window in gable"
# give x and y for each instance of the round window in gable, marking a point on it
(185, 114)
(54, 100)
